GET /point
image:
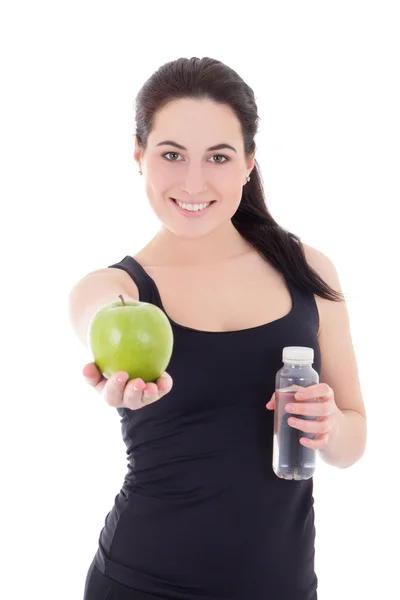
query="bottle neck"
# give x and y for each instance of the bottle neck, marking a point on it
(296, 365)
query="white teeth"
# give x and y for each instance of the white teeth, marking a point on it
(192, 207)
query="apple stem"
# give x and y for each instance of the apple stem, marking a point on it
(122, 299)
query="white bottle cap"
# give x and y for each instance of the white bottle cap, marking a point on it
(299, 355)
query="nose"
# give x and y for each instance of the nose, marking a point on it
(194, 182)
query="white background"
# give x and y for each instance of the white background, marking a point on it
(326, 77)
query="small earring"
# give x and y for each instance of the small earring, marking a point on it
(140, 172)
(248, 179)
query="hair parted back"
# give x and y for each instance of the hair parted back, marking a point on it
(210, 79)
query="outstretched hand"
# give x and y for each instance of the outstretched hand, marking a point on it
(120, 393)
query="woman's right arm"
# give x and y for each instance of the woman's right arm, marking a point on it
(87, 296)
(92, 292)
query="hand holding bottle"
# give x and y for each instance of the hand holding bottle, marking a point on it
(322, 406)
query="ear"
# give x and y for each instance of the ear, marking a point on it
(250, 163)
(137, 154)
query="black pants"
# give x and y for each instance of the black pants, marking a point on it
(101, 587)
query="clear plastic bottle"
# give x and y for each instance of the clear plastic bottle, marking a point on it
(292, 460)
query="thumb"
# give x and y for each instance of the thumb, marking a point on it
(271, 404)
(91, 374)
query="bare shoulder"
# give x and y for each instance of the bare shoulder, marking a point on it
(122, 277)
(326, 269)
(112, 277)
(321, 263)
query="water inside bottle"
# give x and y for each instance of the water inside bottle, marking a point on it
(291, 460)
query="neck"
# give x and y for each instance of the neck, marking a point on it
(219, 245)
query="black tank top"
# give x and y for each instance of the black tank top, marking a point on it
(201, 515)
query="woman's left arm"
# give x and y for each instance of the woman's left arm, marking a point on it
(340, 427)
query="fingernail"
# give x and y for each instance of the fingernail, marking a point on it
(122, 378)
(299, 395)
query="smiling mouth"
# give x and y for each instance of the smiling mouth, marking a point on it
(192, 203)
(192, 209)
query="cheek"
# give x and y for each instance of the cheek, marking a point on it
(230, 179)
(160, 177)
(158, 187)
(231, 185)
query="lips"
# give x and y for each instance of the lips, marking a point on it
(192, 203)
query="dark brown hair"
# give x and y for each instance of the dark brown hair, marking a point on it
(206, 78)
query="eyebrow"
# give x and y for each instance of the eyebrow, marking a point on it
(216, 147)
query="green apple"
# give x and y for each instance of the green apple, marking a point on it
(133, 336)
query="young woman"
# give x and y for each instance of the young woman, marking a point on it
(201, 513)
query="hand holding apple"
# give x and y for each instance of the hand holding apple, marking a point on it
(134, 337)
(120, 394)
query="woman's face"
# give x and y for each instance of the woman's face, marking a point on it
(194, 174)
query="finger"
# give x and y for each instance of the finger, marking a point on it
(114, 387)
(318, 443)
(94, 377)
(271, 404)
(150, 393)
(133, 394)
(311, 409)
(319, 390)
(164, 384)
(147, 393)
(319, 427)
